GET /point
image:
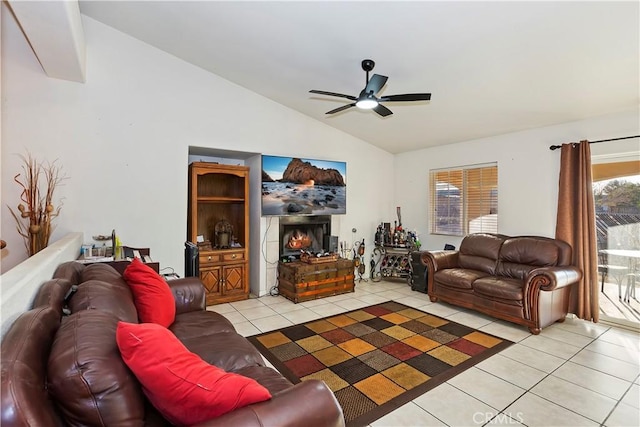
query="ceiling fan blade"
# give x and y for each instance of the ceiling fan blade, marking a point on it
(322, 92)
(344, 107)
(382, 110)
(375, 83)
(407, 97)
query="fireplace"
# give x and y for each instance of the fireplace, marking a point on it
(303, 233)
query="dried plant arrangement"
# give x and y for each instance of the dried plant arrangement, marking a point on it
(37, 210)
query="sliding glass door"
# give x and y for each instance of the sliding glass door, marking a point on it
(616, 188)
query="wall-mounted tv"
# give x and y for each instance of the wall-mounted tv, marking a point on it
(297, 186)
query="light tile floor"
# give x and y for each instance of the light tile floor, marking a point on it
(574, 373)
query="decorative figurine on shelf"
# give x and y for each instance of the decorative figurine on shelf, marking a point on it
(223, 232)
(379, 237)
(399, 235)
(412, 241)
(395, 233)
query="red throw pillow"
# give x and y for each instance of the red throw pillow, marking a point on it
(151, 294)
(183, 387)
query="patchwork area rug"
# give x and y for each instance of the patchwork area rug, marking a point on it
(377, 358)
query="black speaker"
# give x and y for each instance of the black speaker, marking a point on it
(418, 273)
(330, 244)
(191, 260)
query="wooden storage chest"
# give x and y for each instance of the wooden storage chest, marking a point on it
(299, 281)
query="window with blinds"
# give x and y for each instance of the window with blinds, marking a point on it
(464, 200)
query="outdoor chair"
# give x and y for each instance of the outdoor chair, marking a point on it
(633, 279)
(618, 272)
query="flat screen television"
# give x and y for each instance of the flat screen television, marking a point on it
(297, 186)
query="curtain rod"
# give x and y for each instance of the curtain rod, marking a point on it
(555, 147)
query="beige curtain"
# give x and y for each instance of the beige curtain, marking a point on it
(576, 225)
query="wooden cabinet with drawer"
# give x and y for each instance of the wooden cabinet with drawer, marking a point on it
(219, 197)
(224, 275)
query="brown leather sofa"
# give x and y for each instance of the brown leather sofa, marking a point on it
(526, 280)
(44, 344)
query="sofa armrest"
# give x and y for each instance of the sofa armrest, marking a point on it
(439, 260)
(547, 279)
(550, 278)
(309, 403)
(189, 294)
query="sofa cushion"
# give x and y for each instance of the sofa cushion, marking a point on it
(199, 324)
(183, 387)
(102, 272)
(269, 378)
(114, 298)
(480, 252)
(227, 350)
(520, 255)
(51, 294)
(71, 271)
(457, 277)
(151, 294)
(502, 288)
(87, 377)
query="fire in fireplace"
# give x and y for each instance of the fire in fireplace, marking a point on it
(303, 233)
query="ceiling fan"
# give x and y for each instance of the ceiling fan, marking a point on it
(367, 99)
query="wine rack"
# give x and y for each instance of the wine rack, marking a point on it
(396, 263)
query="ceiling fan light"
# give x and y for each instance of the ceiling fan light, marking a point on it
(366, 103)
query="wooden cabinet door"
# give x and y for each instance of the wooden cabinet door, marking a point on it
(234, 283)
(210, 277)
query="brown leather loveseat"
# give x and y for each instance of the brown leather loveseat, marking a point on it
(78, 349)
(526, 280)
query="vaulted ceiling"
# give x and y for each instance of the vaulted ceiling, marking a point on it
(491, 67)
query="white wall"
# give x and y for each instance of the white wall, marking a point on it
(528, 172)
(123, 139)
